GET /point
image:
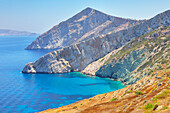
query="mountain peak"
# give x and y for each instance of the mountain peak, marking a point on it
(88, 8)
(84, 25)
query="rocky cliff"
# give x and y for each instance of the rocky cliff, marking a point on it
(124, 63)
(84, 25)
(145, 59)
(77, 56)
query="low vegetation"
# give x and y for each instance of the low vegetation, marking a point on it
(149, 106)
(113, 99)
(138, 93)
(74, 107)
(163, 94)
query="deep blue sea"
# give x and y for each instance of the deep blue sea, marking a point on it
(28, 93)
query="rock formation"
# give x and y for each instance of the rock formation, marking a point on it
(77, 56)
(124, 63)
(84, 25)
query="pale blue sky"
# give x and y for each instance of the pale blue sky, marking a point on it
(40, 15)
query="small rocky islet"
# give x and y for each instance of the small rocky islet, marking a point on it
(137, 55)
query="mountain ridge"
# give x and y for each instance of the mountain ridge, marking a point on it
(70, 31)
(137, 56)
(77, 56)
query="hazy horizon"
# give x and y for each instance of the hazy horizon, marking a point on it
(40, 15)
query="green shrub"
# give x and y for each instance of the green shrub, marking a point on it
(163, 94)
(149, 106)
(154, 99)
(113, 99)
(165, 107)
(74, 107)
(139, 93)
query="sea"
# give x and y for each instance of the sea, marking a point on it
(29, 93)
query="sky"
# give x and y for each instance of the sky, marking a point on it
(39, 16)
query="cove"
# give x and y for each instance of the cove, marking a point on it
(28, 93)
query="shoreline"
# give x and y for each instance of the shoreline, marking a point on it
(87, 74)
(121, 99)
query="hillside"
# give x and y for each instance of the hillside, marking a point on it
(145, 59)
(77, 56)
(7, 32)
(124, 63)
(84, 25)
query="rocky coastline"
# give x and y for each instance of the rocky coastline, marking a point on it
(137, 56)
(152, 89)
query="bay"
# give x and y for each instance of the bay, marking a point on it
(28, 93)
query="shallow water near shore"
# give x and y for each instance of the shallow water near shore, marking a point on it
(28, 93)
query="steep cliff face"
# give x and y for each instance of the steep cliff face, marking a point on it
(77, 56)
(132, 58)
(84, 25)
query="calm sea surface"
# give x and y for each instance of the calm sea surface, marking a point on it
(28, 93)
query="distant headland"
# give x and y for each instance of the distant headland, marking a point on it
(8, 32)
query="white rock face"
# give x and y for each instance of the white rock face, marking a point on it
(84, 25)
(77, 56)
(93, 67)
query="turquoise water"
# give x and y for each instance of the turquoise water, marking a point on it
(28, 93)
